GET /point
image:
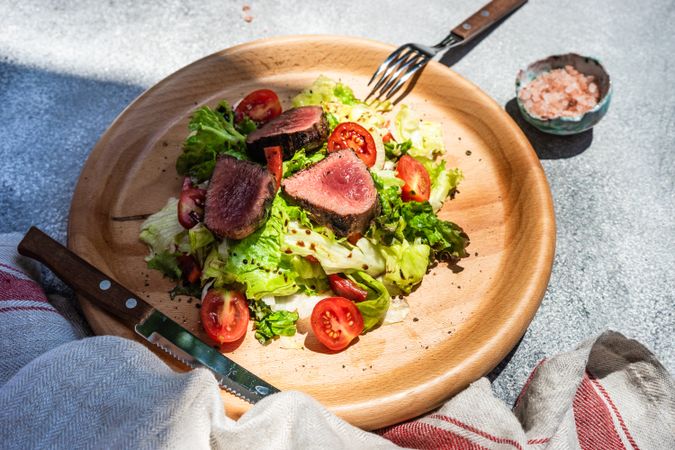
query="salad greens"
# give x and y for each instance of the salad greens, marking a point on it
(268, 324)
(289, 257)
(213, 134)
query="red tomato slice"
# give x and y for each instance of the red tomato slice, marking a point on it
(312, 259)
(346, 288)
(417, 185)
(190, 205)
(189, 267)
(274, 162)
(387, 137)
(224, 315)
(354, 136)
(260, 106)
(336, 322)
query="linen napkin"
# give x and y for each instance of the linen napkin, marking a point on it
(59, 389)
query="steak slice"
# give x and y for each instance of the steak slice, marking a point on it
(338, 191)
(294, 129)
(238, 198)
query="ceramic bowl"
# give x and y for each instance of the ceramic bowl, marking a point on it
(567, 125)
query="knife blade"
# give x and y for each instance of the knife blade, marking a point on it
(147, 321)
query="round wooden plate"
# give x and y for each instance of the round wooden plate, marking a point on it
(461, 323)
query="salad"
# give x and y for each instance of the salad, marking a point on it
(291, 263)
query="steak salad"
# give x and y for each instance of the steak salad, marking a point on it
(326, 211)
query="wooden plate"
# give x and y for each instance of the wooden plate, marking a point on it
(460, 326)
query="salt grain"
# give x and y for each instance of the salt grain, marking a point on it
(560, 93)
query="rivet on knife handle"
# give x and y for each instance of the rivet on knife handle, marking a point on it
(84, 278)
(489, 14)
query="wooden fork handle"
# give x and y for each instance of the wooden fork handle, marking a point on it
(489, 14)
(84, 278)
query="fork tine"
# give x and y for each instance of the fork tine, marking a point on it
(403, 67)
(386, 62)
(402, 57)
(405, 78)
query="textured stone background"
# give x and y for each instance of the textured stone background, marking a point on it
(67, 68)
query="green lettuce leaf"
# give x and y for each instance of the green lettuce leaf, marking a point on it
(200, 237)
(395, 150)
(256, 262)
(444, 181)
(309, 276)
(417, 223)
(325, 90)
(335, 255)
(269, 324)
(374, 307)
(425, 137)
(301, 161)
(162, 231)
(406, 265)
(166, 263)
(213, 134)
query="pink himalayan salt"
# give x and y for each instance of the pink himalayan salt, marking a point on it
(560, 93)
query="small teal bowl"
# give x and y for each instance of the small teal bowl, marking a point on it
(567, 125)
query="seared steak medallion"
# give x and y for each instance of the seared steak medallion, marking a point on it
(338, 191)
(294, 129)
(238, 198)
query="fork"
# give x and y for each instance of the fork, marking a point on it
(408, 59)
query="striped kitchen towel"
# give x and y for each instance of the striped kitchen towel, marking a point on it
(60, 390)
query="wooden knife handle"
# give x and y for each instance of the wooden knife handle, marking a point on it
(84, 278)
(486, 16)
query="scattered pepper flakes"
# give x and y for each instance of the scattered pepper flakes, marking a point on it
(415, 319)
(246, 8)
(468, 153)
(560, 93)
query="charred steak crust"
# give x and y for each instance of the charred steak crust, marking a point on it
(342, 225)
(304, 127)
(238, 198)
(338, 192)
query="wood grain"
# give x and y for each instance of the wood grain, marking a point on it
(485, 17)
(460, 324)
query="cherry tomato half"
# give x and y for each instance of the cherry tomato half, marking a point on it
(336, 322)
(417, 185)
(190, 205)
(346, 288)
(274, 162)
(260, 106)
(224, 315)
(352, 135)
(189, 268)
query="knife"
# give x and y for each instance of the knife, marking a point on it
(143, 318)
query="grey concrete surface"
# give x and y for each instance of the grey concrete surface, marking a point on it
(67, 68)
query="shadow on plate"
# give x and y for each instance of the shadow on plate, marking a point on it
(549, 146)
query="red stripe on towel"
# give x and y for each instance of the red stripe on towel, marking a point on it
(605, 394)
(14, 288)
(425, 436)
(595, 428)
(475, 430)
